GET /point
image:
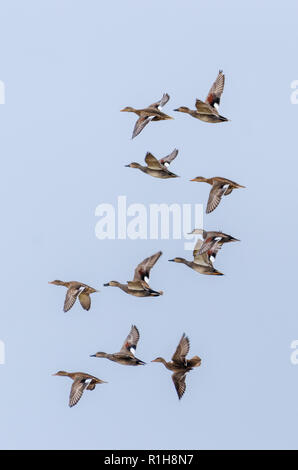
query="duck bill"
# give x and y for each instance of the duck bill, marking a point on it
(173, 261)
(106, 285)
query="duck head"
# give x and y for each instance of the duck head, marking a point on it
(177, 260)
(199, 179)
(99, 354)
(182, 109)
(196, 231)
(112, 284)
(134, 165)
(57, 282)
(128, 109)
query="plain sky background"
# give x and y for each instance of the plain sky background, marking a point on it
(69, 67)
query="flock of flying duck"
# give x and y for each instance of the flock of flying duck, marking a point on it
(204, 253)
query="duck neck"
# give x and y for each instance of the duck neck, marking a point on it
(164, 362)
(185, 261)
(144, 169)
(208, 180)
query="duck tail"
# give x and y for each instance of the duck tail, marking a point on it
(216, 273)
(140, 363)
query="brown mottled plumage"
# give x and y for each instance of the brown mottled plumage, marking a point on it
(76, 289)
(202, 263)
(157, 168)
(213, 241)
(139, 286)
(220, 187)
(126, 355)
(207, 110)
(151, 113)
(180, 365)
(81, 382)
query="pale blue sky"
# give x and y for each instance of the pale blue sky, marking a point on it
(69, 67)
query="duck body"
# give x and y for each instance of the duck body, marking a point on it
(199, 268)
(162, 174)
(212, 116)
(186, 366)
(147, 112)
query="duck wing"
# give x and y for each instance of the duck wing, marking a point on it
(131, 340)
(202, 260)
(152, 162)
(139, 125)
(182, 350)
(137, 285)
(216, 90)
(85, 299)
(71, 297)
(206, 246)
(76, 391)
(143, 269)
(161, 103)
(228, 190)
(216, 193)
(169, 158)
(179, 382)
(205, 108)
